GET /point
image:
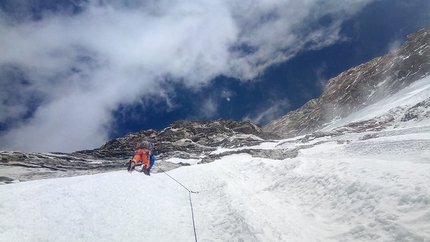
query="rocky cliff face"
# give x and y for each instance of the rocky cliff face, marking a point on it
(360, 86)
(182, 139)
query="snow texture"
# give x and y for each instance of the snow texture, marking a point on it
(343, 188)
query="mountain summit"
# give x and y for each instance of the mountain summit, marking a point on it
(360, 87)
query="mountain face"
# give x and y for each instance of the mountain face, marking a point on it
(205, 141)
(182, 139)
(360, 87)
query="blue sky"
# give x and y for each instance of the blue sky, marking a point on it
(74, 74)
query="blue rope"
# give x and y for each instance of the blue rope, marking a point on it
(176, 181)
(192, 216)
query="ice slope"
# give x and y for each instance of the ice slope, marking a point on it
(325, 194)
(344, 188)
(409, 96)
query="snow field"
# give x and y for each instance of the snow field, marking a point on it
(331, 192)
(325, 194)
(104, 207)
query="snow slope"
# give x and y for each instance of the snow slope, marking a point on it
(406, 98)
(344, 188)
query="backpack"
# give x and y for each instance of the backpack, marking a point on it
(145, 144)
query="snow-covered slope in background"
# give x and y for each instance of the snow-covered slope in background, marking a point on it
(394, 107)
(358, 186)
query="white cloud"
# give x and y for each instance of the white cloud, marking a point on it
(321, 80)
(84, 66)
(209, 108)
(395, 44)
(263, 115)
(64, 123)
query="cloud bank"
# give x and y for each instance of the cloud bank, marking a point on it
(67, 66)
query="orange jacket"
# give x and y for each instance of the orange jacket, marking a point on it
(142, 155)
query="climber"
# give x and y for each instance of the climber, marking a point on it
(144, 154)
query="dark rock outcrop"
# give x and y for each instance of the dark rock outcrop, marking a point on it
(182, 139)
(360, 86)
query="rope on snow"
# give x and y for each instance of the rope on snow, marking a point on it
(189, 196)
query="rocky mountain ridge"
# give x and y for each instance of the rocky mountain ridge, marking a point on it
(182, 139)
(360, 87)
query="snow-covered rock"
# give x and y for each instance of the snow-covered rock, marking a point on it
(359, 87)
